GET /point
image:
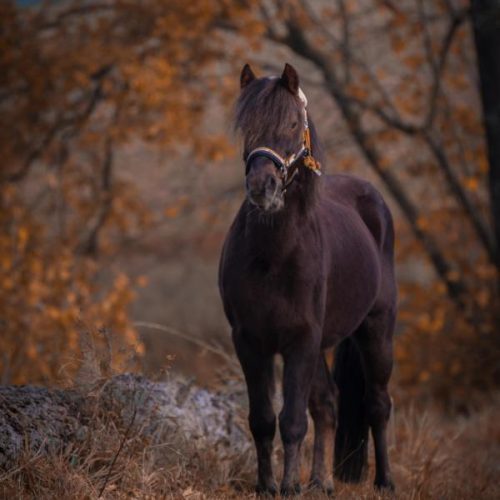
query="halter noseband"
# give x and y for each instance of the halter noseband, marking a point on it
(288, 167)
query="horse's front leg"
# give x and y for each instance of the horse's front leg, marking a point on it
(300, 364)
(259, 375)
(322, 406)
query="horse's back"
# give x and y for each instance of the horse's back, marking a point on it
(362, 197)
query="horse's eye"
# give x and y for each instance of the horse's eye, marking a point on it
(294, 125)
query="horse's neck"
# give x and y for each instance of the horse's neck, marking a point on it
(274, 235)
(270, 230)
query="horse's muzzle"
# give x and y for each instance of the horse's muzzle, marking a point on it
(269, 199)
(264, 187)
(269, 204)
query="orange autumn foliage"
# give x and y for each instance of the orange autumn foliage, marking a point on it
(47, 293)
(77, 80)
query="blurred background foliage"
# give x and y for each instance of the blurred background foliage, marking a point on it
(120, 173)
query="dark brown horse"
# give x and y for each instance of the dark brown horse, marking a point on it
(307, 265)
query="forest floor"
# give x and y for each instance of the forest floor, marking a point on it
(432, 455)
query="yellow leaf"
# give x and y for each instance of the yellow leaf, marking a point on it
(471, 183)
(23, 236)
(171, 212)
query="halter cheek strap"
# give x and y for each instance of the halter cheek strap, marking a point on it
(288, 167)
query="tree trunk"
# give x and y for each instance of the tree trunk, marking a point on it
(486, 25)
(45, 421)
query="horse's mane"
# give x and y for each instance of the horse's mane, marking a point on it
(264, 106)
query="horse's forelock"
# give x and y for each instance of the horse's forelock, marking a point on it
(262, 106)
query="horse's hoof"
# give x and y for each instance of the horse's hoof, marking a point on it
(316, 485)
(385, 484)
(290, 491)
(270, 490)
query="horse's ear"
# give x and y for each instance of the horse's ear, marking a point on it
(290, 79)
(247, 76)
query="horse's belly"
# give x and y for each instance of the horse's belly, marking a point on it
(347, 306)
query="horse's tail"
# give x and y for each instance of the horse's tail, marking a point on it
(351, 439)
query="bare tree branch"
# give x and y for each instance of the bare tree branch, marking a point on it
(73, 124)
(91, 245)
(300, 45)
(438, 66)
(73, 11)
(346, 40)
(479, 225)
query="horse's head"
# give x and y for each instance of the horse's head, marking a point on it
(271, 116)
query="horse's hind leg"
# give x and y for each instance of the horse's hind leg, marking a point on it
(374, 339)
(259, 375)
(322, 404)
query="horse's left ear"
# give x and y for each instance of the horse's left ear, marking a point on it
(290, 79)
(247, 76)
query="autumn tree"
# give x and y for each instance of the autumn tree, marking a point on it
(77, 81)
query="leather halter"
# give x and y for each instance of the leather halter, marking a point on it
(288, 167)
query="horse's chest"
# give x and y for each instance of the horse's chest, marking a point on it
(269, 297)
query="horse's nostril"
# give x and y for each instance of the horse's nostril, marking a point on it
(271, 183)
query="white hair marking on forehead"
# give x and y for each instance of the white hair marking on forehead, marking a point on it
(303, 97)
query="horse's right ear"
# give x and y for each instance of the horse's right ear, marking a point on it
(290, 79)
(247, 76)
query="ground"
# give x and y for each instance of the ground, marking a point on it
(433, 455)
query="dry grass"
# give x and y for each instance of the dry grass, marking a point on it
(432, 457)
